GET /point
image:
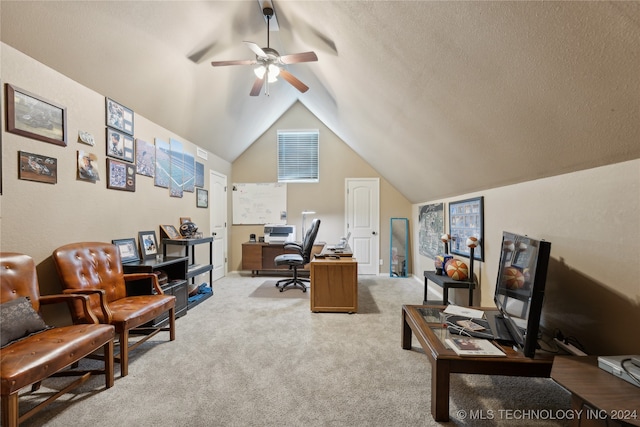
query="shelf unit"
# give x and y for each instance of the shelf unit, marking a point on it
(193, 269)
(176, 270)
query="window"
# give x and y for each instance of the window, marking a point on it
(298, 156)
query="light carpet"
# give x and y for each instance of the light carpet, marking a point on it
(240, 360)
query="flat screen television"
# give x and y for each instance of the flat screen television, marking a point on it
(520, 287)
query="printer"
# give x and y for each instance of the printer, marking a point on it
(279, 233)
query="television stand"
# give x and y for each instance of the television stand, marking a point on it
(423, 321)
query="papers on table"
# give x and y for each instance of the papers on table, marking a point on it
(464, 311)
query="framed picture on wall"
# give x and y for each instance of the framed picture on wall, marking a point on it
(148, 244)
(119, 117)
(128, 249)
(121, 176)
(35, 167)
(466, 220)
(120, 145)
(34, 117)
(202, 198)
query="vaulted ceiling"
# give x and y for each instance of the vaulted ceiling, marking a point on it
(441, 98)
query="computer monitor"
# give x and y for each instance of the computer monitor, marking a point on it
(520, 287)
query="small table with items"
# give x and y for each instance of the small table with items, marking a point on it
(446, 282)
(423, 321)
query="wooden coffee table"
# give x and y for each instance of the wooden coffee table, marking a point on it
(423, 321)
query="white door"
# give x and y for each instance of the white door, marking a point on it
(218, 205)
(363, 221)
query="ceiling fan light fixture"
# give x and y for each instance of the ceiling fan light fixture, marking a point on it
(274, 71)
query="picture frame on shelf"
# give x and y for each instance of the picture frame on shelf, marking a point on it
(36, 167)
(34, 117)
(171, 232)
(118, 116)
(148, 244)
(202, 198)
(466, 220)
(120, 145)
(128, 249)
(120, 175)
(184, 219)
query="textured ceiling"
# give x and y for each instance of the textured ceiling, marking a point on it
(510, 91)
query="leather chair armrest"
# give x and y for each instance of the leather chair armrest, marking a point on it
(106, 312)
(140, 276)
(294, 247)
(69, 298)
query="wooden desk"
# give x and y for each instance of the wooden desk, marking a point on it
(334, 285)
(328, 252)
(259, 256)
(446, 282)
(600, 398)
(424, 322)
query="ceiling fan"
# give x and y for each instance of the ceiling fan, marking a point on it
(270, 63)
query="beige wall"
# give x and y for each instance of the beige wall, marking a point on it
(592, 220)
(39, 217)
(327, 198)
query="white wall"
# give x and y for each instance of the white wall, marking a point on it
(592, 219)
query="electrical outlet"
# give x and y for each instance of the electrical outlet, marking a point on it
(381, 261)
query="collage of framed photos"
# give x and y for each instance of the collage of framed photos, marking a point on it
(465, 220)
(168, 163)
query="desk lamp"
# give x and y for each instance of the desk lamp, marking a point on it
(304, 217)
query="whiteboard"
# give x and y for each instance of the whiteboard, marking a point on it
(259, 203)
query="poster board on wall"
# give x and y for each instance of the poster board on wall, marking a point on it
(259, 203)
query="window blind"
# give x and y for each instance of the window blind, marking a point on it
(298, 156)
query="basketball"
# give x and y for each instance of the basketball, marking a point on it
(457, 270)
(472, 242)
(513, 278)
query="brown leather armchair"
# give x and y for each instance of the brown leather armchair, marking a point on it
(95, 269)
(33, 354)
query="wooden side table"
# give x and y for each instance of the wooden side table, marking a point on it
(334, 285)
(598, 397)
(446, 282)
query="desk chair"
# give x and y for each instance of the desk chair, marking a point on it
(299, 259)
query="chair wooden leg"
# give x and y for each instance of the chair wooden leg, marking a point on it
(108, 364)
(10, 410)
(124, 353)
(172, 324)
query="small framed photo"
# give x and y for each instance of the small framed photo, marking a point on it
(120, 145)
(34, 117)
(466, 220)
(148, 244)
(121, 176)
(171, 232)
(202, 198)
(119, 117)
(88, 166)
(35, 167)
(128, 249)
(184, 219)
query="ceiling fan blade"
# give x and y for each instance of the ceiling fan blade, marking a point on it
(294, 81)
(256, 49)
(238, 62)
(299, 57)
(257, 86)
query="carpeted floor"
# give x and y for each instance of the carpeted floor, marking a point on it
(254, 356)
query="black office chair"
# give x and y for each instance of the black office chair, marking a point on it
(298, 260)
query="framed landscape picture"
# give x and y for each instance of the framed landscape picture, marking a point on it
(34, 117)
